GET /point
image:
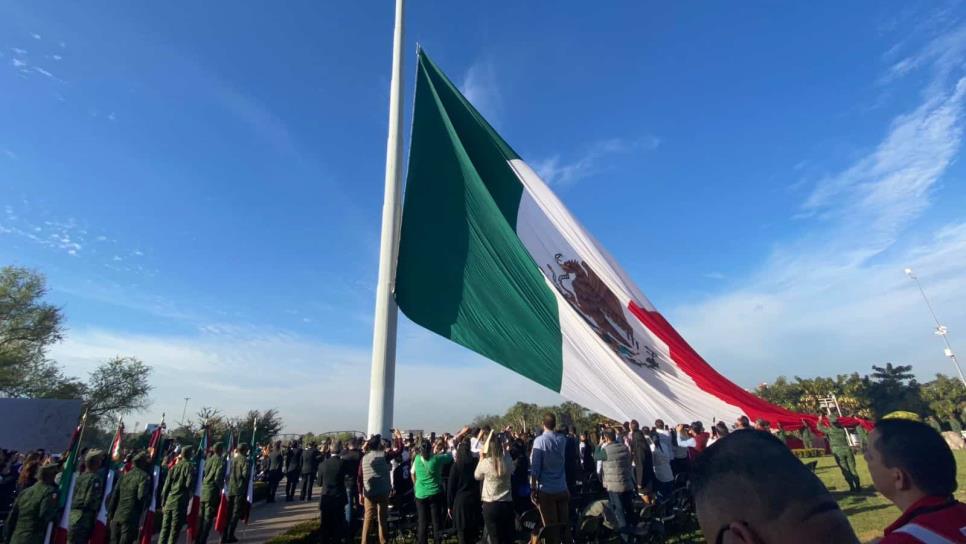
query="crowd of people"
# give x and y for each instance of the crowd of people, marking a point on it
(741, 483)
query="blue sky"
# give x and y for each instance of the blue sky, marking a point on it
(202, 183)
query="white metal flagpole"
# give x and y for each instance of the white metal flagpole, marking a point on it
(382, 381)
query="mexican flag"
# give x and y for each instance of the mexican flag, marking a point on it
(490, 258)
(65, 493)
(154, 450)
(194, 505)
(252, 464)
(99, 535)
(221, 518)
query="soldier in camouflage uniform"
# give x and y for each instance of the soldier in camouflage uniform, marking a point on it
(863, 437)
(237, 491)
(178, 488)
(34, 508)
(88, 492)
(212, 482)
(128, 501)
(805, 434)
(838, 441)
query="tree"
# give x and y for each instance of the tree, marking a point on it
(269, 425)
(28, 326)
(492, 421)
(782, 393)
(945, 396)
(894, 388)
(118, 387)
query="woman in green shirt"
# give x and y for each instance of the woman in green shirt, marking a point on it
(428, 488)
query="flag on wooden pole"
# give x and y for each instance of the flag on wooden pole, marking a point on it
(221, 518)
(155, 455)
(99, 534)
(65, 493)
(252, 463)
(194, 505)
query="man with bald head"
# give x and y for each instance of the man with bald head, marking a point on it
(749, 488)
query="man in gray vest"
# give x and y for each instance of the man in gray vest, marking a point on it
(619, 482)
(375, 489)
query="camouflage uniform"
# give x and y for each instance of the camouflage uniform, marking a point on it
(128, 501)
(88, 492)
(34, 508)
(178, 489)
(211, 484)
(838, 441)
(237, 491)
(863, 436)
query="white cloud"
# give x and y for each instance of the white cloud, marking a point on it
(555, 171)
(835, 299)
(316, 386)
(480, 88)
(17, 63)
(41, 71)
(111, 117)
(35, 36)
(19, 51)
(9, 153)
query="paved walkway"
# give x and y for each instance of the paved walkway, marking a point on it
(269, 520)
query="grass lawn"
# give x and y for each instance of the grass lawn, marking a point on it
(869, 512)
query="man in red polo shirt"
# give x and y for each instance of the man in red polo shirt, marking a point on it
(913, 467)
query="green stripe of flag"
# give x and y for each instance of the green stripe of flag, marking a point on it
(462, 271)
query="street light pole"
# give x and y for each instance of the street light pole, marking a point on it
(185, 410)
(940, 328)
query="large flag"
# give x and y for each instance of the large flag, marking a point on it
(65, 493)
(114, 460)
(490, 258)
(194, 505)
(221, 518)
(156, 458)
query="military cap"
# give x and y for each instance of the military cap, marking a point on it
(93, 455)
(140, 457)
(186, 451)
(49, 470)
(243, 447)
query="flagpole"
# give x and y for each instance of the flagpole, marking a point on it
(382, 380)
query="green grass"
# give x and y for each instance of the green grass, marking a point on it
(868, 511)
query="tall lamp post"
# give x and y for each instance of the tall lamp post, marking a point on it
(940, 328)
(184, 411)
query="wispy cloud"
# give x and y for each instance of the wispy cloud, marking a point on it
(557, 171)
(479, 86)
(35, 36)
(859, 237)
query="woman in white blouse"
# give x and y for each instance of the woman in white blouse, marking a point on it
(494, 471)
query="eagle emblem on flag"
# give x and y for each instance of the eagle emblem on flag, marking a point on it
(586, 293)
